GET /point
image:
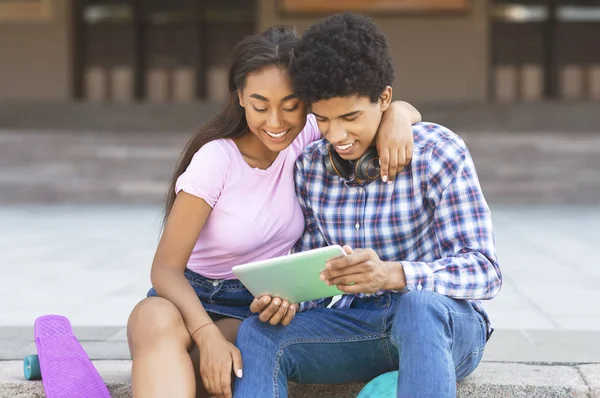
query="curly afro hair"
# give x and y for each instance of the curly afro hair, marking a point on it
(340, 56)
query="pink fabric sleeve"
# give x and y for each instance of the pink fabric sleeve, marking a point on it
(206, 174)
(312, 129)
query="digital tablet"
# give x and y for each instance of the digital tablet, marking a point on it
(295, 277)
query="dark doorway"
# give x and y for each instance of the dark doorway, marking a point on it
(156, 50)
(545, 49)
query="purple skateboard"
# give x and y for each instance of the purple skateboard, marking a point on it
(67, 371)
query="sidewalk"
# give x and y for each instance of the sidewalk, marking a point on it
(91, 264)
(490, 380)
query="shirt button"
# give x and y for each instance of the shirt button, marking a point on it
(215, 283)
(357, 226)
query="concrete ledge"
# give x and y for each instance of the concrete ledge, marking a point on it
(491, 379)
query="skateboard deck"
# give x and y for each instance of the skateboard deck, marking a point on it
(66, 370)
(383, 386)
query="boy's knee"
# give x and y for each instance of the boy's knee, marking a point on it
(253, 333)
(421, 301)
(246, 331)
(258, 341)
(419, 309)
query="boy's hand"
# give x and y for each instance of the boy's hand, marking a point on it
(361, 271)
(274, 310)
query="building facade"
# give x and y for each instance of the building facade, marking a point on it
(176, 50)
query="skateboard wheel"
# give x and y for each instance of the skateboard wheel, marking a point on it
(31, 368)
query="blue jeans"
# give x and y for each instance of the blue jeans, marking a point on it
(220, 298)
(432, 339)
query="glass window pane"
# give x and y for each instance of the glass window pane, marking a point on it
(579, 13)
(520, 13)
(94, 14)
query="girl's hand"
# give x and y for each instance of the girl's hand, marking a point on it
(395, 138)
(218, 357)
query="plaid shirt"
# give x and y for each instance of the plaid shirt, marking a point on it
(433, 219)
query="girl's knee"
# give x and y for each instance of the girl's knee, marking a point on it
(155, 318)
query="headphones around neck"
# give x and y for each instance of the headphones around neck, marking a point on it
(366, 168)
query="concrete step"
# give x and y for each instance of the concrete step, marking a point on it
(491, 379)
(135, 168)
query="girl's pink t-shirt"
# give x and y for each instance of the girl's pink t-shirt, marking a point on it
(255, 214)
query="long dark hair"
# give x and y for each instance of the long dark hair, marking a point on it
(274, 47)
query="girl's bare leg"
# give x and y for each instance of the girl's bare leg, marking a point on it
(159, 343)
(165, 359)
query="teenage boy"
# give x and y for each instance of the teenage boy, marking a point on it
(420, 249)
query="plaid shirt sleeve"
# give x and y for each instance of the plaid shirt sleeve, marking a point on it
(311, 238)
(468, 267)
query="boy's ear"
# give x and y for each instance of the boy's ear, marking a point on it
(385, 99)
(240, 98)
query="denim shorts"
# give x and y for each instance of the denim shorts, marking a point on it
(220, 298)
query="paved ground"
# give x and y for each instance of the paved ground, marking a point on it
(91, 263)
(80, 214)
(490, 380)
